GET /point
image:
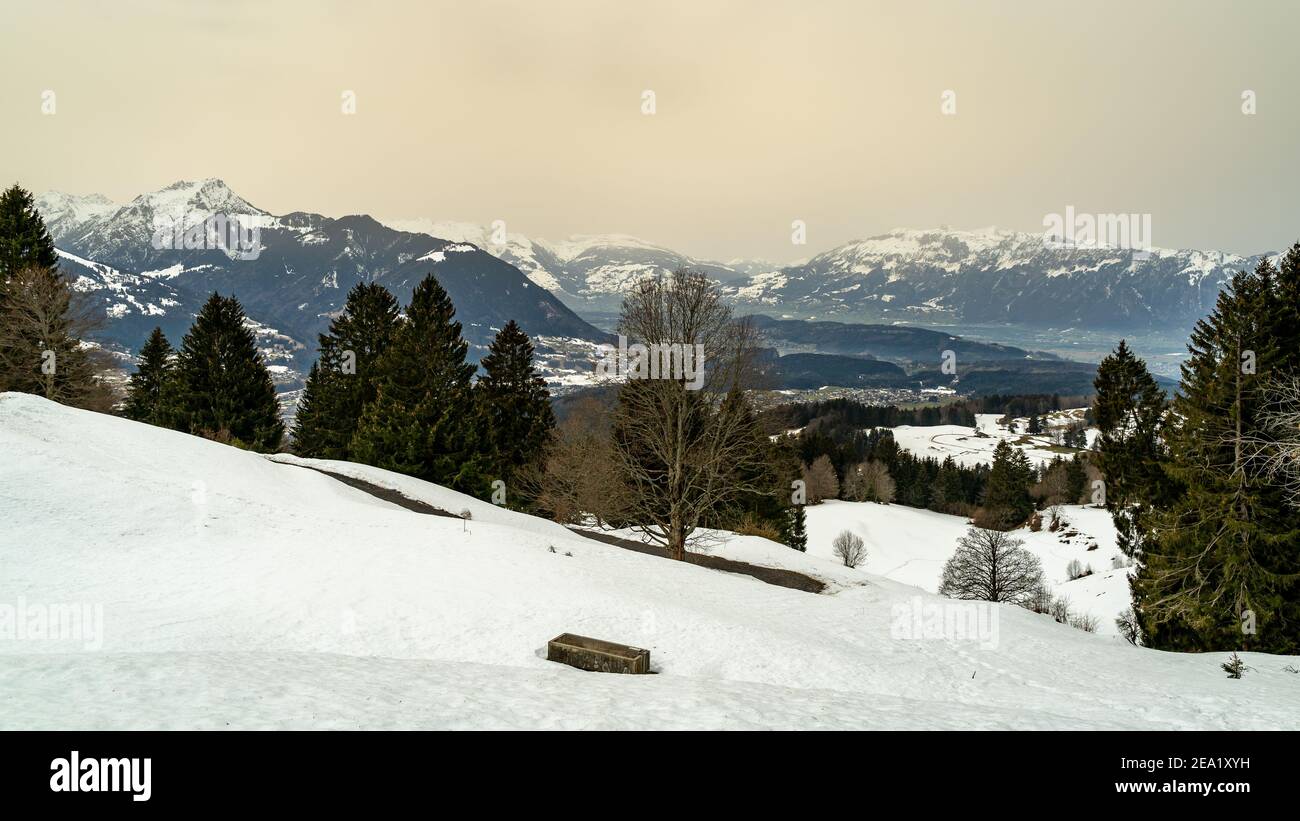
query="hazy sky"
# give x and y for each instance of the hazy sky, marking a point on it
(766, 112)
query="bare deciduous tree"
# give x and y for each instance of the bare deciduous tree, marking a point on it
(849, 548)
(870, 482)
(578, 481)
(42, 327)
(991, 565)
(820, 480)
(1277, 451)
(685, 453)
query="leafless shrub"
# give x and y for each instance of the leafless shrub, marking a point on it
(1128, 626)
(849, 548)
(1085, 622)
(1060, 609)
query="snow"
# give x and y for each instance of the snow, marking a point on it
(910, 545)
(238, 591)
(974, 446)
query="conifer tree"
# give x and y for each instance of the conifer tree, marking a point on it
(345, 376)
(24, 239)
(147, 391)
(514, 406)
(1076, 479)
(949, 494)
(421, 421)
(796, 529)
(1129, 408)
(1006, 496)
(1221, 564)
(223, 389)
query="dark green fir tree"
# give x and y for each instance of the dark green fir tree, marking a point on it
(1220, 567)
(223, 390)
(796, 530)
(147, 393)
(345, 377)
(421, 422)
(1128, 409)
(24, 239)
(513, 404)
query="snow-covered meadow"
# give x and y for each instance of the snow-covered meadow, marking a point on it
(974, 446)
(240, 591)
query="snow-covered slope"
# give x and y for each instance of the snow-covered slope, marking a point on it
(236, 591)
(910, 545)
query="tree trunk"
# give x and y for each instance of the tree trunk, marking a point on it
(677, 540)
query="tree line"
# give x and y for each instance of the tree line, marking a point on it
(390, 389)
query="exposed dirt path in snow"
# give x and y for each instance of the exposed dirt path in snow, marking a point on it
(770, 575)
(386, 494)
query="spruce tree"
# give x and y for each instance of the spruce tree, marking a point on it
(24, 239)
(148, 387)
(223, 389)
(345, 377)
(796, 531)
(421, 422)
(1129, 408)
(1006, 496)
(1221, 564)
(1076, 479)
(514, 407)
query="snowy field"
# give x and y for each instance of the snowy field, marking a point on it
(974, 446)
(910, 545)
(217, 588)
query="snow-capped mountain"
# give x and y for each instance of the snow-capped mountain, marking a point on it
(992, 276)
(155, 260)
(587, 272)
(944, 276)
(71, 214)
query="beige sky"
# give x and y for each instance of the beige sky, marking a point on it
(767, 112)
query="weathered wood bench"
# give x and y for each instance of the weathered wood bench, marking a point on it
(597, 655)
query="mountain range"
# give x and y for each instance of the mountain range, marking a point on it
(297, 280)
(306, 262)
(940, 276)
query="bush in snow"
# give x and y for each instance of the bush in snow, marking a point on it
(1036, 522)
(1085, 622)
(849, 548)
(1076, 570)
(1060, 609)
(1128, 626)
(990, 565)
(1234, 666)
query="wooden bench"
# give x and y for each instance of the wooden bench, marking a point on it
(596, 655)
